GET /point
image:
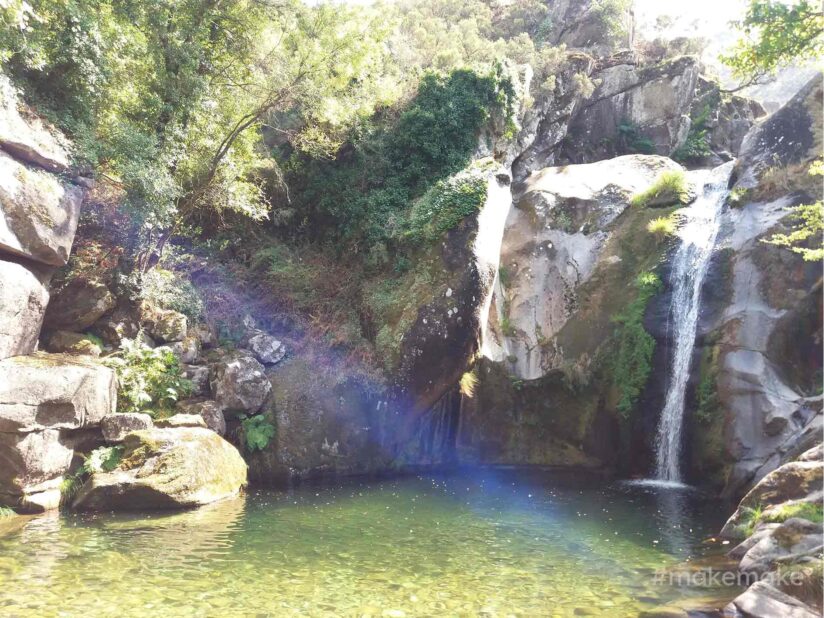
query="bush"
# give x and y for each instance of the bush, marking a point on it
(103, 459)
(148, 379)
(169, 290)
(257, 431)
(662, 227)
(634, 346)
(669, 189)
(631, 141)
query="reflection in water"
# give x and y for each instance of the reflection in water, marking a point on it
(481, 542)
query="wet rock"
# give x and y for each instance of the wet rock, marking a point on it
(761, 600)
(182, 420)
(267, 349)
(792, 539)
(54, 391)
(63, 341)
(29, 139)
(24, 294)
(209, 410)
(116, 426)
(38, 213)
(78, 305)
(164, 325)
(239, 383)
(167, 469)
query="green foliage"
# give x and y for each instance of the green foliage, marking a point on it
(669, 188)
(709, 403)
(806, 237)
(446, 204)
(776, 34)
(257, 431)
(148, 379)
(750, 518)
(170, 290)
(6, 512)
(102, 459)
(663, 227)
(738, 197)
(632, 141)
(633, 345)
(805, 510)
(468, 383)
(697, 144)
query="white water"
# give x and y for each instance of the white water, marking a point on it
(689, 267)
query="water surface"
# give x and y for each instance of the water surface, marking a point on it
(479, 543)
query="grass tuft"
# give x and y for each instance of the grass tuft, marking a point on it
(669, 189)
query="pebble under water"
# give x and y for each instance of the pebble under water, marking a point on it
(473, 543)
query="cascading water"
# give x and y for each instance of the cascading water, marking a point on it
(689, 267)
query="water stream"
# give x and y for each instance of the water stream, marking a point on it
(480, 542)
(689, 267)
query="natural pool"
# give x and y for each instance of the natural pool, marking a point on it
(474, 543)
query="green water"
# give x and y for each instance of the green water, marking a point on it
(485, 543)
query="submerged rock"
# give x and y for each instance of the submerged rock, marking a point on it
(115, 427)
(167, 469)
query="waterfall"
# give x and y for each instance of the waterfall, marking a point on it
(689, 267)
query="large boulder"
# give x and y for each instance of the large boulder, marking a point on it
(29, 138)
(116, 427)
(165, 325)
(187, 350)
(266, 348)
(32, 466)
(761, 600)
(198, 375)
(167, 469)
(793, 538)
(38, 213)
(24, 295)
(78, 305)
(239, 383)
(51, 391)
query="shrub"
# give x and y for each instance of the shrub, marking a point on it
(103, 459)
(148, 379)
(468, 383)
(669, 189)
(169, 290)
(633, 345)
(662, 227)
(6, 512)
(738, 197)
(257, 431)
(631, 141)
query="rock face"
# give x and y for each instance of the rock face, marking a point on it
(115, 427)
(167, 469)
(761, 600)
(24, 294)
(39, 213)
(208, 410)
(633, 102)
(553, 241)
(239, 383)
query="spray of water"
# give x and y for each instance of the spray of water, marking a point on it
(689, 267)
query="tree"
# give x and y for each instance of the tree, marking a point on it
(775, 35)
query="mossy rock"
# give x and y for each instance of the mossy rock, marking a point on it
(166, 469)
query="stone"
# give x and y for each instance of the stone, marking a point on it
(794, 481)
(29, 138)
(815, 454)
(38, 213)
(115, 427)
(187, 350)
(206, 334)
(793, 538)
(67, 342)
(116, 326)
(54, 391)
(78, 305)
(166, 469)
(239, 383)
(266, 348)
(165, 325)
(182, 420)
(209, 410)
(24, 295)
(198, 375)
(32, 466)
(761, 600)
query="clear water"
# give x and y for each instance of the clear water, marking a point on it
(481, 543)
(689, 266)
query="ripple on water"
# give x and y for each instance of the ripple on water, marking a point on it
(489, 543)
